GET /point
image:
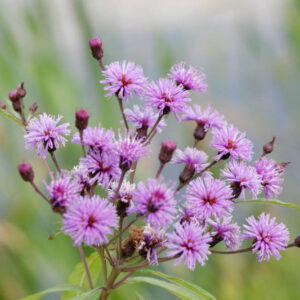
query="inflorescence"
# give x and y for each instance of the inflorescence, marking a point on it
(153, 220)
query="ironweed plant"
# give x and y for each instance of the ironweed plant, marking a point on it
(136, 225)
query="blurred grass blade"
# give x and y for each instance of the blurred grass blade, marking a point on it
(78, 276)
(192, 287)
(179, 291)
(8, 115)
(271, 201)
(60, 288)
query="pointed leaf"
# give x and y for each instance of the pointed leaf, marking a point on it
(190, 286)
(179, 291)
(8, 115)
(86, 295)
(56, 289)
(271, 201)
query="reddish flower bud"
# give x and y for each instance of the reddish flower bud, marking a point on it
(13, 95)
(269, 147)
(199, 132)
(281, 166)
(166, 151)
(82, 119)
(187, 173)
(21, 90)
(2, 105)
(297, 241)
(26, 171)
(96, 48)
(33, 108)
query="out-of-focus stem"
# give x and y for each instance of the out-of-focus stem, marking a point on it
(81, 142)
(119, 185)
(232, 252)
(159, 170)
(122, 112)
(133, 170)
(104, 267)
(39, 192)
(153, 128)
(55, 162)
(47, 168)
(85, 266)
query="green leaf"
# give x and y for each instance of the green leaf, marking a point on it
(86, 295)
(8, 115)
(271, 201)
(178, 291)
(192, 287)
(60, 288)
(139, 296)
(78, 276)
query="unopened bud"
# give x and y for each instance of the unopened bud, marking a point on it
(96, 48)
(2, 105)
(187, 173)
(281, 166)
(236, 189)
(166, 151)
(199, 132)
(26, 171)
(33, 108)
(13, 96)
(297, 241)
(17, 106)
(269, 147)
(21, 90)
(82, 119)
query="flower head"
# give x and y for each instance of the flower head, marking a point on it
(192, 157)
(96, 137)
(269, 236)
(129, 150)
(227, 231)
(101, 167)
(209, 197)
(155, 201)
(81, 179)
(45, 134)
(123, 79)
(62, 192)
(190, 243)
(271, 176)
(241, 177)
(228, 141)
(190, 78)
(152, 238)
(90, 220)
(208, 118)
(166, 96)
(144, 118)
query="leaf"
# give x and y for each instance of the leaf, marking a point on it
(139, 296)
(192, 287)
(8, 115)
(271, 201)
(78, 276)
(86, 295)
(178, 291)
(60, 288)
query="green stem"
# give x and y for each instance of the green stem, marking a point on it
(85, 266)
(104, 267)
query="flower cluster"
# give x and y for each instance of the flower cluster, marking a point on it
(197, 219)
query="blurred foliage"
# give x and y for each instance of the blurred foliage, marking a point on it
(63, 78)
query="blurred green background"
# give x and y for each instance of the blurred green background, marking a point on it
(250, 51)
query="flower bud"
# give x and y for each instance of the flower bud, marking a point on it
(2, 105)
(187, 173)
(236, 189)
(26, 171)
(21, 90)
(297, 241)
(33, 108)
(13, 96)
(199, 132)
(281, 166)
(96, 48)
(82, 119)
(269, 147)
(166, 151)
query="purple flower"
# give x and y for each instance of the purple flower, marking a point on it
(189, 242)
(166, 96)
(144, 118)
(241, 177)
(209, 197)
(62, 192)
(101, 167)
(96, 137)
(208, 118)
(190, 78)
(82, 179)
(227, 231)
(192, 157)
(228, 141)
(44, 134)
(155, 201)
(125, 192)
(188, 214)
(90, 220)
(269, 236)
(271, 177)
(152, 238)
(129, 150)
(123, 79)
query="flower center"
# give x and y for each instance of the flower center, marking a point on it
(210, 200)
(91, 221)
(230, 144)
(166, 98)
(125, 81)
